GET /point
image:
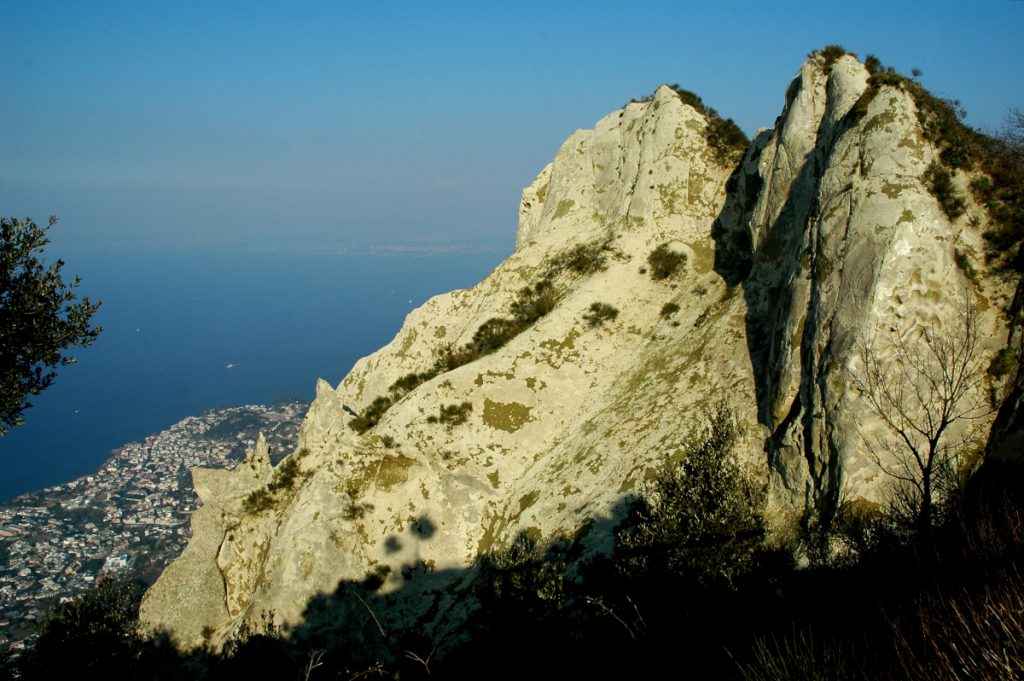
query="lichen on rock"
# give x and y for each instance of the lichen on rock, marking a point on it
(823, 232)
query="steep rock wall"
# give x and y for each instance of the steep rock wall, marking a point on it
(847, 246)
(823, 237)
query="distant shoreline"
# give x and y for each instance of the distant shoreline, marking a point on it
(130, 516)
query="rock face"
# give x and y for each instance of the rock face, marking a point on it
(823, 237)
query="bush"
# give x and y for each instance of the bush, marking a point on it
(524, 580)
(700, 519)
(664, 262)
(282, 482)
(534, 302)
(1004, 362)
(450, 357)
(583, 259)
(406, 384)
(258, 501)
(599, 314)
(873, 64)
(494, 333)
(727, 141)
(1000, 158)
(940, 184)
(95, 635)
(371, 415)
(451, 415)
(668, 310)
(964, 263)
(830, 55)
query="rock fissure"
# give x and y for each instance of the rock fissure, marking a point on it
(565, 419)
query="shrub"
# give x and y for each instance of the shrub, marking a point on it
(664, 262)
(285, 474)
(669, 309)
(599, 314)
(689, 98)
(727, 141)
(1002, 195)
(523, 576)
(830, 54)
(406, 384)
(873, 64)
(371, 415)
(699, 519)
(534, 302)
(1003, 363)
(940, 184)
(450, 357)
(258, 501)
(94, 635)
(494, 333)
(999, 158)
(942, 124)
(964, 263)
(279, 487)
(583, 259)
(451, 415)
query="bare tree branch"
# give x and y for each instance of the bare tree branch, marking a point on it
(924, 384)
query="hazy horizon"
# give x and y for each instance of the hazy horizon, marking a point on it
(185, 125)
(188, 331)
(398, 130)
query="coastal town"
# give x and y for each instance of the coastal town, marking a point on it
(130, 518)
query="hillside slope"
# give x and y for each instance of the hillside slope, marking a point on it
(538, 402)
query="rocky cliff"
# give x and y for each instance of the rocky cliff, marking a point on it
(658, 271)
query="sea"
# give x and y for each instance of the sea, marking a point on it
(184, 332)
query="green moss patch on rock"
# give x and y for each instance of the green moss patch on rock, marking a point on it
(506, 416)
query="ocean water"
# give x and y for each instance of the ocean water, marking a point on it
(185, 332)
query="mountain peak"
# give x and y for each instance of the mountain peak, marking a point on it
(663, 266)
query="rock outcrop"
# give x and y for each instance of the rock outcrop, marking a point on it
(572, 371)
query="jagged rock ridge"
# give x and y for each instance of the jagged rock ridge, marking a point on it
(824, 235)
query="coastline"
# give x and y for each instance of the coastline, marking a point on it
(128, 518)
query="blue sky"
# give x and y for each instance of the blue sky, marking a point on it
(211, 125)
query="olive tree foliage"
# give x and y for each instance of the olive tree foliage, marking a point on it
(41, 317)
(927, 386)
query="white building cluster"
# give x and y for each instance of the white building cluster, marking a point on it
(130, 517)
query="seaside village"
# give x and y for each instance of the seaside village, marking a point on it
(131, 517)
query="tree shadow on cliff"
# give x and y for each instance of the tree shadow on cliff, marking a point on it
(512, 607)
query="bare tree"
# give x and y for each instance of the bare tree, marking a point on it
(927, 386)
(1013, 132)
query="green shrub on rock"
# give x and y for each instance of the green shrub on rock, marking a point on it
(940, 184)
(700, 519)
(451, 415)
(599, 314)
(664, 262)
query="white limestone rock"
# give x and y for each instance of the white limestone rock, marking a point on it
(825, 236)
